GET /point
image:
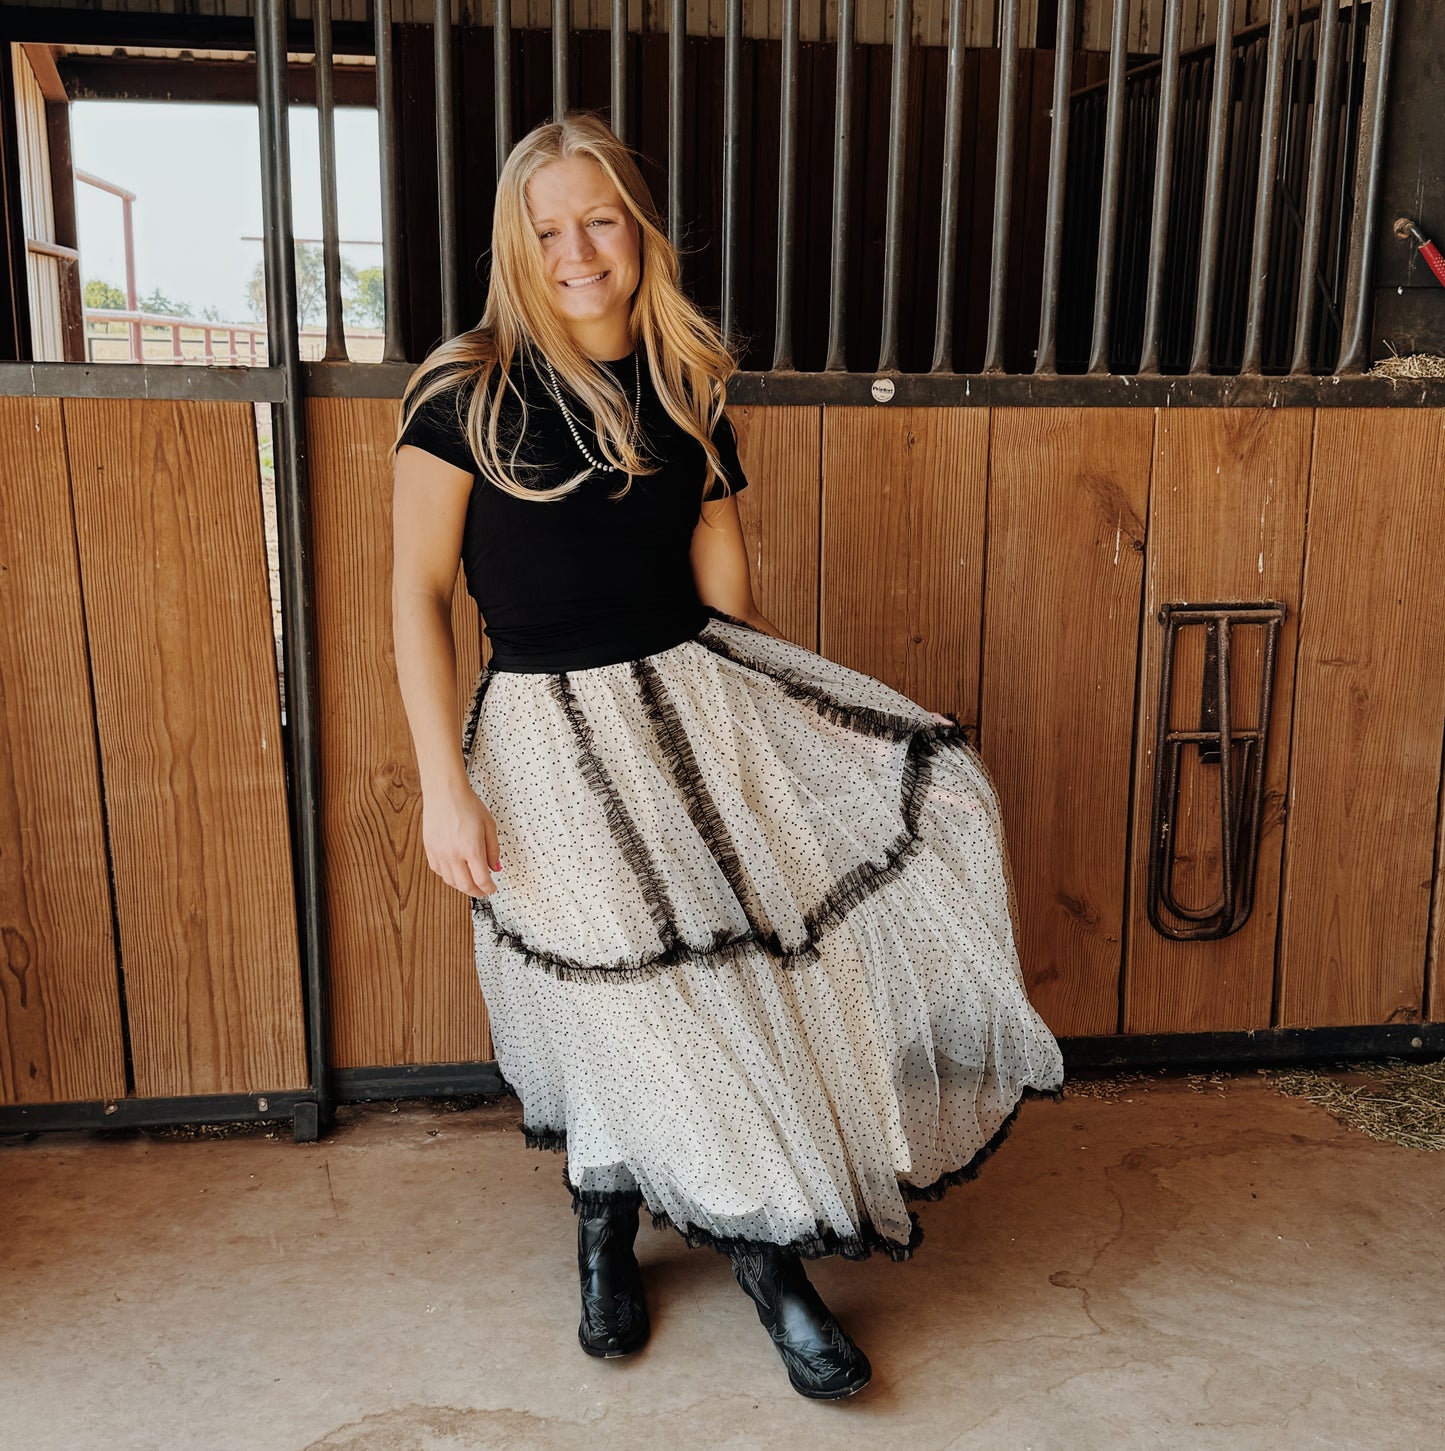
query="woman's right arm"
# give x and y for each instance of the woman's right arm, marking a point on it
(429, 509)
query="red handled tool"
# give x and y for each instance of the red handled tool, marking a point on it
(1405, 228)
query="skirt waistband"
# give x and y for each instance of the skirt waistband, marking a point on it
(607, 652)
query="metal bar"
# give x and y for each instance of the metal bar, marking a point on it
(1046, 357)
(298, 622)
(1250, 1046)
(1213, 187)
(787, 190)
(732, 135)
(619, 69)
(446, 165)
(810, 389)
(1343, 143)
(1367, 198)
(1250, 360)
(897, 154)
(1003, 177)
(502, 77)
(838, 251)
(330, 226)
(131, 1113)
(392, 350)
(676, 69)
(1109, 197)
(560, 26)
(1163, 185)
(419, 1080)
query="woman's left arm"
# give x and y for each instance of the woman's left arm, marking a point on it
(720, 565)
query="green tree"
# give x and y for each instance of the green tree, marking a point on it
(99, 293)
(366, 307)
(158, 301)
(310, 286)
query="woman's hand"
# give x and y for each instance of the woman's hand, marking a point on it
(460, 837)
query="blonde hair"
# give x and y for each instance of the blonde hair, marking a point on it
(687, 357)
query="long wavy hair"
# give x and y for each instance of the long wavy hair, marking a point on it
(689, 360)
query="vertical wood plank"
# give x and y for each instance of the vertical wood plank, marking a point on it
(780, 450)
(168, 520)
(1226, 523)
(403, 978)
(60, 1029)
(901, 567)
(1068, 496)
(1369, 715)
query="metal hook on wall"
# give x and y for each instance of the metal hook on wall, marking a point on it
(1219, 742)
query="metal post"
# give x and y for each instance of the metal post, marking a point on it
(446, 166)
(838, 250)
(1163, 185)
(294, 538)
(1045, 360)
(897, 148)
(732, 135)
(619, 69)
(1003, 184)
(560, 25)
(392, 349)
(1213, 187)
(330, 227)
(676, 60)
(787, 190)
(502, 77)
(1367, 187)
(1251, 359)
(1329, 29)
(1109, 197)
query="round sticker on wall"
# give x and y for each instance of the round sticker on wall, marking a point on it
(882, 389)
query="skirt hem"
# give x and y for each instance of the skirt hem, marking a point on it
(823, 1240)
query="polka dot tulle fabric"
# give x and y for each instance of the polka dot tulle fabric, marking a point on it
(751, 957)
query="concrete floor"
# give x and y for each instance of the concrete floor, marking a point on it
(1191, 1264)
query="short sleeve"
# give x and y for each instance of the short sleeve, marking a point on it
(726, 441)
(437, 428)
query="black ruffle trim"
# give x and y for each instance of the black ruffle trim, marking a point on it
(619, 819)
(687, 775)
(823, 1240)
(863, 720)
(849, 892)
(474, 713)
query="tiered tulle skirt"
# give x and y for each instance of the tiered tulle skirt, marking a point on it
(751, 957)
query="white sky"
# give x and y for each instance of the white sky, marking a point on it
(196, 172)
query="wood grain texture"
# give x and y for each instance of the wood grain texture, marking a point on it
(402, 973)
(1068, 496)
(168, 522)
(780, 451)
(1369, 716)
(1226, 523)
(901, 563)
(60, 1026)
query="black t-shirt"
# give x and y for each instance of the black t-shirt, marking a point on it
(583, 580)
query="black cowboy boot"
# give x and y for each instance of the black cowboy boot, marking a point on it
(823, 1362)
(614, 1310)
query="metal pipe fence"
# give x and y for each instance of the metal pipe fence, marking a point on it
(1202, 210)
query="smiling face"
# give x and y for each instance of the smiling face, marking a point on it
(590, 251)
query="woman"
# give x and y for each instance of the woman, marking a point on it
(742, 916)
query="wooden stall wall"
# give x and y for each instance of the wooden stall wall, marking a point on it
(1008, 566)
(403, 987)
(145, 780)
(1005, 565)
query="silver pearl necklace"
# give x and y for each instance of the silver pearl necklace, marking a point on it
(556, 387)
